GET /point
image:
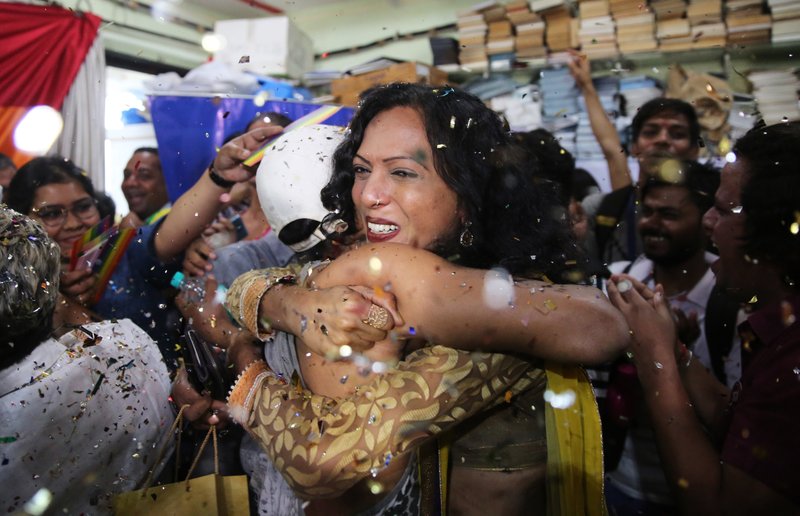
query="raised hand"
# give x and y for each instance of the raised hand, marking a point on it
(580, 69)
(228, 163)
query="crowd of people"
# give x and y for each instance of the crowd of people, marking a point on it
(421, 314)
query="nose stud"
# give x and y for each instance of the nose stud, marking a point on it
(377, 203)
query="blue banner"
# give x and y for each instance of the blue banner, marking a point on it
(190, 130)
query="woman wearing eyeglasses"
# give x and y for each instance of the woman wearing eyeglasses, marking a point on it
(59, 195)
(56, 193)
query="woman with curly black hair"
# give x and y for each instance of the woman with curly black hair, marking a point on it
(435, 171)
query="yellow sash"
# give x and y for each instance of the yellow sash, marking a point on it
(574, 444)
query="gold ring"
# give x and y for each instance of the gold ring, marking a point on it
(377, 317)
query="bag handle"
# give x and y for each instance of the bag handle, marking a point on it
(212, 431)
(178, 418)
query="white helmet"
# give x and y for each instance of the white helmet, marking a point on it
(289, 180)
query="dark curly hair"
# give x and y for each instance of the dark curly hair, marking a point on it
(662, 105)
(515, 224)
(551, 162)
(771, 195)
(40, 172)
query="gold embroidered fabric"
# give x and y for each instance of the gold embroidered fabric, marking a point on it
(323, 446)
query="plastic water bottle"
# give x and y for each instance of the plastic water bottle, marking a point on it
(194, 287)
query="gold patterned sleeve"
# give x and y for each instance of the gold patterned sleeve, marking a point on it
(244, 296)
(323, 445)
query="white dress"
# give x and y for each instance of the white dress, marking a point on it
(82, 421)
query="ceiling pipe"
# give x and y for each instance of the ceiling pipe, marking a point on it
(263, 6)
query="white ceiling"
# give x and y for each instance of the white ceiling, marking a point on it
(256, 8)
(170, 31)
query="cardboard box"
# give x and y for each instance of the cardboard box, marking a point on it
(266, 46)
(347, 89)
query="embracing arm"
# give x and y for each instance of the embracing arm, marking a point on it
(323, 445)
(273, 299)
(445, 304)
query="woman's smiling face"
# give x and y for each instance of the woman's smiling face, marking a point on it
(398, 194)
(80, 212)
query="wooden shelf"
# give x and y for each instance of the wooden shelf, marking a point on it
(749, 57)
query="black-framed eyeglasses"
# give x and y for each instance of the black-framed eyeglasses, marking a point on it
(55, 215)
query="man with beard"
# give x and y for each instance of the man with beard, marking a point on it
(661, 128)
(674, 243)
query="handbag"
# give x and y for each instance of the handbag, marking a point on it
(206, 368)
(212, 494)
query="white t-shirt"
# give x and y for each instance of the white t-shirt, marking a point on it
(82, 421)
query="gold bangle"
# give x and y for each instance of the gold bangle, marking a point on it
(245, 295)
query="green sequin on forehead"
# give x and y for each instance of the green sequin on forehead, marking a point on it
(421, 157)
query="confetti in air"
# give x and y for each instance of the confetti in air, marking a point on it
(498, 289)
(624, 286)
(375, 265)
(38, 129)
(261, 98)
(563, 400)
(212, 42)
(40, 502)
